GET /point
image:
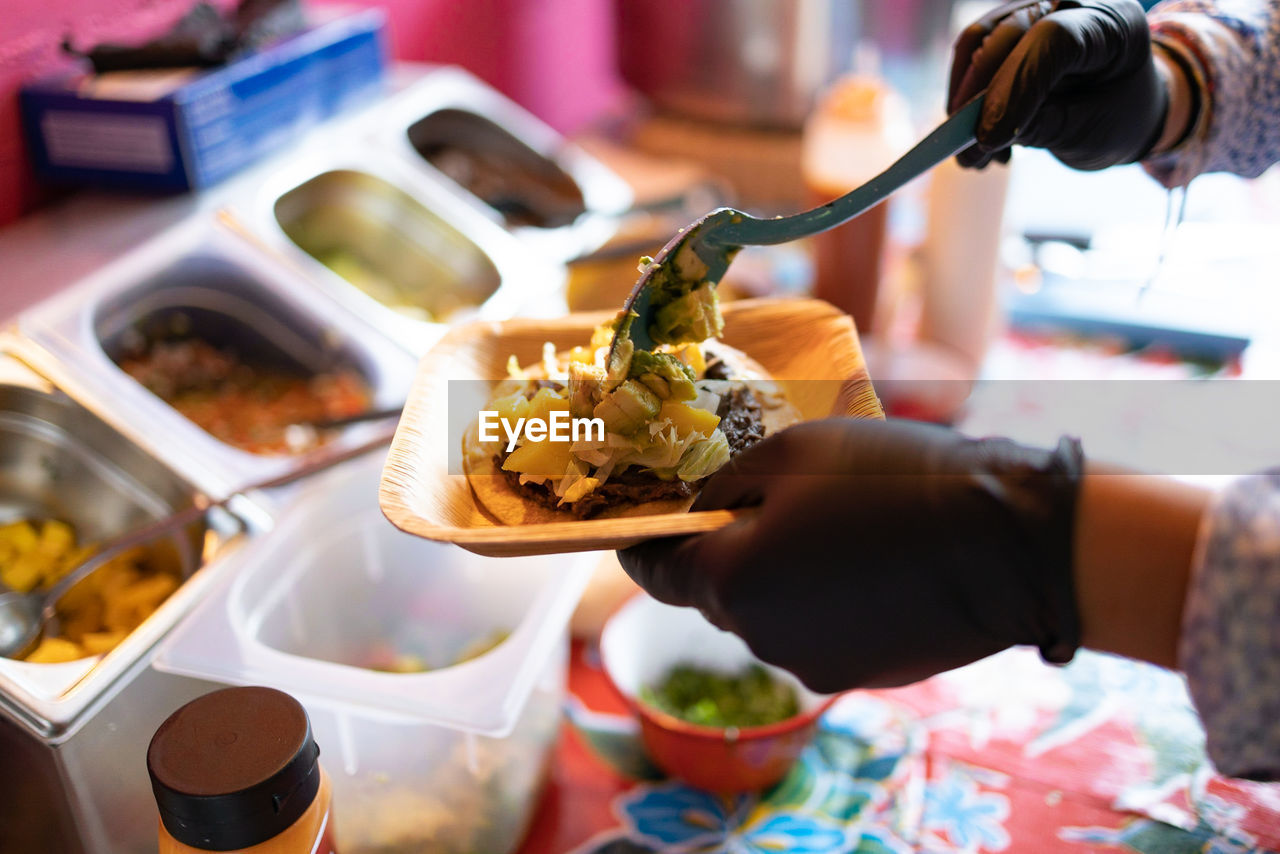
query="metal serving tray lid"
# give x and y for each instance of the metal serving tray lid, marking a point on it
(276, 305)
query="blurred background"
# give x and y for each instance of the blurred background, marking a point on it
(324, 207)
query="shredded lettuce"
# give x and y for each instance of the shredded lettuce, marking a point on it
(705, 457)
(576, 471)
(550, 364)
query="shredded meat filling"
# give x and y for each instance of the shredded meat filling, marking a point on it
(741, 418)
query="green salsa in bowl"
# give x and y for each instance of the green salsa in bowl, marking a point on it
(714, 698)
(710, 712)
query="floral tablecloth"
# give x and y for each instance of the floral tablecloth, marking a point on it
(1005, 755)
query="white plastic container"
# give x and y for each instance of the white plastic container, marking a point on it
(961, 258)
(446, 760)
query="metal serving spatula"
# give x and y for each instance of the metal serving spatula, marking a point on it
(716, 237)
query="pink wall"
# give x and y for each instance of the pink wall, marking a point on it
(556, 57)
(553, 56)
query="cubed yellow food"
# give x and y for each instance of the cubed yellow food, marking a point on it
(21, 536)
(688, 419)
(24, 572)
(100, 611)
(511, 407)
(601, 336)
(549, 459)
(99, 643)
(55, 651)
(691, 355)
(546, 401)
(56, 538)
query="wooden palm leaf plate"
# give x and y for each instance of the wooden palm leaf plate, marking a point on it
(424, 493)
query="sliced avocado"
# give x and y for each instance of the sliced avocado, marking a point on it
(692, 317)
(683, 300)
(620, 357)
(664, 374)
(586, 388)
(628, 408)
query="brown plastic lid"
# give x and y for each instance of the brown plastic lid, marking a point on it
(234, 768)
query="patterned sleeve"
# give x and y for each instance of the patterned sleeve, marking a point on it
(1230, 644)
(1232, 50)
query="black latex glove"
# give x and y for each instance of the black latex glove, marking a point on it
(881, 552)
(1073, 76)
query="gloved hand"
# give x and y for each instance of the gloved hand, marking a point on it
(881, 553)
(1074, 76)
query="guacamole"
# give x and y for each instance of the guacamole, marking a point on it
(751, 697)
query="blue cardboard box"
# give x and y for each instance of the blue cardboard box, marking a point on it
(183, 129)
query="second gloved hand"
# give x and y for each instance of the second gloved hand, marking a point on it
(881, 553)
(1074, 76)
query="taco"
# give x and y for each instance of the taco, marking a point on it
(671, 418)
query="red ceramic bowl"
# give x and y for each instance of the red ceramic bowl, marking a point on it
(642, 641)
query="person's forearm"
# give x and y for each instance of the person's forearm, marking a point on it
(1227, 50)
(1134, 543)
(1178, 117)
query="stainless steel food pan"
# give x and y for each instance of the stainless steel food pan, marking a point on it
(451, 126)
(72, 735)
(525, 188)
(216, 286)
(404, 254)
(387, 244)
(758, 63)
(59, 460)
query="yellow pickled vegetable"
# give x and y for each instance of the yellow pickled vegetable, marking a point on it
(100, 611)
(691, 355)
(512, 407)
(55, 651)
(23, 572)
(548, 459)
(688, 419)
(97, 643)
(19, 537)
(56, 539)
(544, 402)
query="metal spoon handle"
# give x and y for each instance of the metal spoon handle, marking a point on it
(949, 138)
(358, 418)
(316, 463)
(188, 515)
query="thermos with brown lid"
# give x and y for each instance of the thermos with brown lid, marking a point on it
(238, 770)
